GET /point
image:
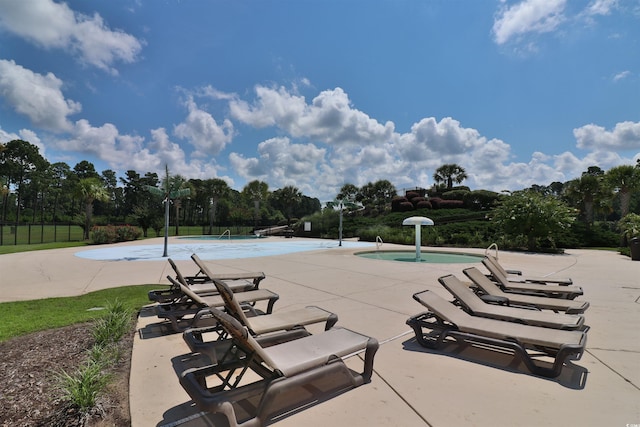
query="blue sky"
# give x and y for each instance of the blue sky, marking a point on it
(319, 93)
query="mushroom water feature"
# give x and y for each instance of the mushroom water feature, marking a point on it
(418, 222)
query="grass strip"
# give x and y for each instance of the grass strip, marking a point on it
(24, 317)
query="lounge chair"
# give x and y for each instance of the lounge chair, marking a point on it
(290, 375)
(493, 291)
(475, 306)
(262, 324)
(563, 281)
(527, 342)
(557, 291)
(202, 284)
(187, 313)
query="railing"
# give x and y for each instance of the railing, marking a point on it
(227, 232)
(379, 242)
(493, 246)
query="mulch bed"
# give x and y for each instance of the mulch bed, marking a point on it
(27, 380)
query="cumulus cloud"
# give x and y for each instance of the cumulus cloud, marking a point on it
(54, 25)
(37, 96)
(283, 163)
(406, 159)
(203, 132)
(624, 136)
(328, 118)
(529, 16)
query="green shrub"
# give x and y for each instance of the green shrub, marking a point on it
(113, 326)
(111, 234)
(82, 387)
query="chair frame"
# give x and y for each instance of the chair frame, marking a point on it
(443, 329)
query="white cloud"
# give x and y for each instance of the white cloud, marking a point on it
(624, 136)
(406, 159)
(37, 96)
(622, 75)
(528, 16)
(281, 163)
(601, 7)
(329, 118)
(55, 26)
(202, 131)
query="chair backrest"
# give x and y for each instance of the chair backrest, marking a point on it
(443, 309)
(188, 292)
(230, 302)
(179, 275)
(494, 261)
(496, 273)
(242, 337)
(482, 281)
(463, 294)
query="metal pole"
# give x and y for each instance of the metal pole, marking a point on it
(340, 227)
(418, 242)
(166, 226)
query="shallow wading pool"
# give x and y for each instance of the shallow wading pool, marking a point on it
(429, 257)
(214, 250)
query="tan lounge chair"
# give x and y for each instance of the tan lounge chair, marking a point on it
(475, 306)
(556, 304)
(262, 324)
(202, 284)
(557, 291)
(187, 313)
(445, 320)
(563, 281)
(291, 375)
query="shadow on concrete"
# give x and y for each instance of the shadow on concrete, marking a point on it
(572, 376)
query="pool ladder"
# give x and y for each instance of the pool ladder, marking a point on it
(493, 246)
(226, 232)
(379, 242)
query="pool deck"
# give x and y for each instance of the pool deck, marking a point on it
(411, 386)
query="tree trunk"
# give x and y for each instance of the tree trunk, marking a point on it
(88, 212)
(625, 199)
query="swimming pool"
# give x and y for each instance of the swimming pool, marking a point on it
(430, 257)
(213, 250)
(225, 237)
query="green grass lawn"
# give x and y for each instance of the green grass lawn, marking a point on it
(24, 317)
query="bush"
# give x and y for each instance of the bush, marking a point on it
(396, 201)
(405, 206)
(439, 203)
(111, 234)
(455, 194)
(101, 235)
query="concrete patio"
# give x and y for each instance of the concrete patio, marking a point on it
(411, 386)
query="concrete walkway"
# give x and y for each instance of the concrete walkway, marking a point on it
(411, 386)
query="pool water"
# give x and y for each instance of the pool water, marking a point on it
(226, 237)
(425, 257)
(212, 250)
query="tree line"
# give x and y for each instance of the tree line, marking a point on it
(36, 191)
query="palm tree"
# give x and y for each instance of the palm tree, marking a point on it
(586, 191)
(450, 173)
(90, 190)
(218, 189)
(286, 199)
(624, 179)
(256, 191)
(348, 192)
